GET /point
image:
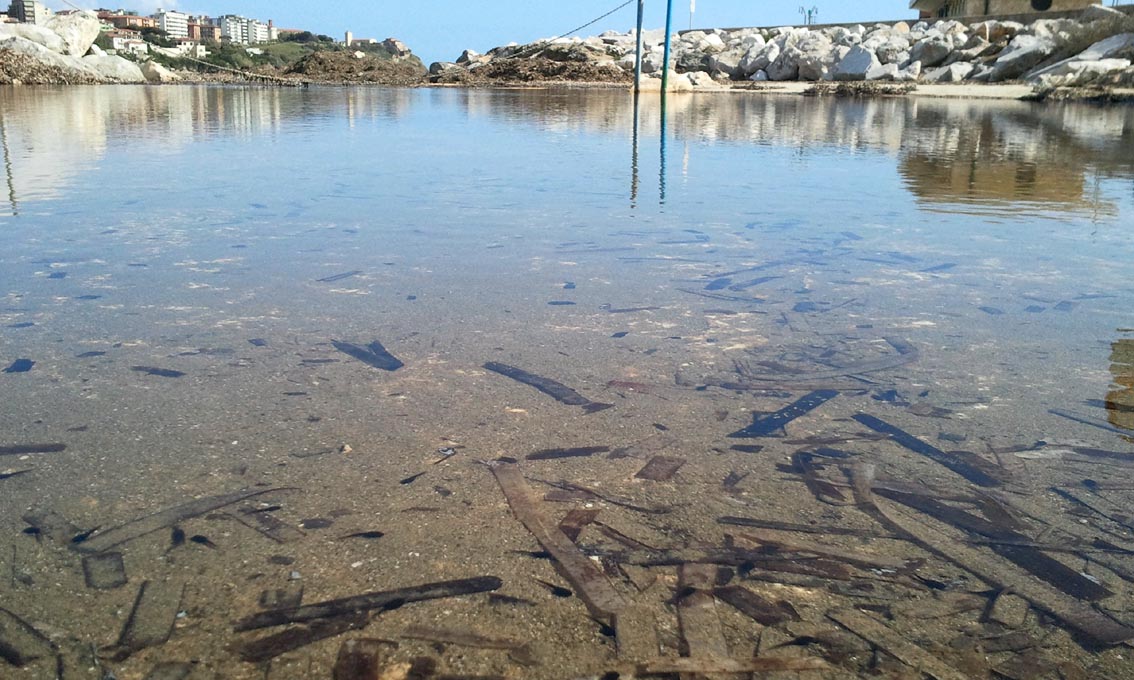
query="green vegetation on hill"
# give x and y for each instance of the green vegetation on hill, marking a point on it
(316, 58)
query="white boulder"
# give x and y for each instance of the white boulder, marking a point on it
(816, 57)
(1082, 72)
(786, 66)
(156, 73)
(858, 62)
(69, 66)
(883, 72)
(78, 30)
(932, 51)
(910, 73)
(115, 69)
(953, 73)
(727, 63)
(1023, 53)
(759, 58)
(893, 52)
(469, 56)
(37, 34)
(702, 81)
(1119, 46)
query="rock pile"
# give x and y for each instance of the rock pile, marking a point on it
(61, 52)
(1097, 47)
(398, 68)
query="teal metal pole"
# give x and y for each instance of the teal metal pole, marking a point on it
(638, 49)
(668, 28)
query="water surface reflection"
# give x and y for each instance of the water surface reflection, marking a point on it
(998, 156)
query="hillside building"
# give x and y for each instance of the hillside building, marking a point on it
(29, 12)
(176, 24)
(210, 33)
(126, 21)
(977, 8)
(243, 31)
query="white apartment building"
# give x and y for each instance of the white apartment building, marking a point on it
(233, 28)
(243, 31)
(257, 32)
(176, 24)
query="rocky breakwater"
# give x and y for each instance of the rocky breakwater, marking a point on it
(63, 52)
(1093, 48)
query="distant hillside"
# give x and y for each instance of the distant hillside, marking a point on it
(309, 57)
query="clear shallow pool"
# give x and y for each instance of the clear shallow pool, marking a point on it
(956, 269)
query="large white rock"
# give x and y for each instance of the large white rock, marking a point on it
(752, 41)
(727, 63)
(910, 73)
(156, 73)
(953, 73)
(858, 62)
(713, 43)
(996, 31)
(932, 51)
(816, 57)
(435, 69)
(883, 72)
(469, 56)
(70, 66)
(1119, 46)
(1024, 52)
(702, 81)
(652, 62)
(37, 34)
(678, 82)
(841, 35)
(977, 48)
(758, 59)
(78, 31)
(893, 51)
(786, 66)
(1082, 72)
(115, 69)
(760, 76)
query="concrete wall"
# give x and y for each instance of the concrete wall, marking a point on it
(1025, 18)
(976, 8)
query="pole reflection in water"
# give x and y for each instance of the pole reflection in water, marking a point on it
(634, 155)
(8, 166)
(661, 172)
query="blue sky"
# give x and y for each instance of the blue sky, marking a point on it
(437, 30)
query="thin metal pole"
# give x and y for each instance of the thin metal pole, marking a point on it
(668, 29)
(634, 177)
(638, 49)
(661, 169)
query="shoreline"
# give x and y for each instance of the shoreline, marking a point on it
(978, 91)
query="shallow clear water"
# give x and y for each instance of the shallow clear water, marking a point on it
(778, 245)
